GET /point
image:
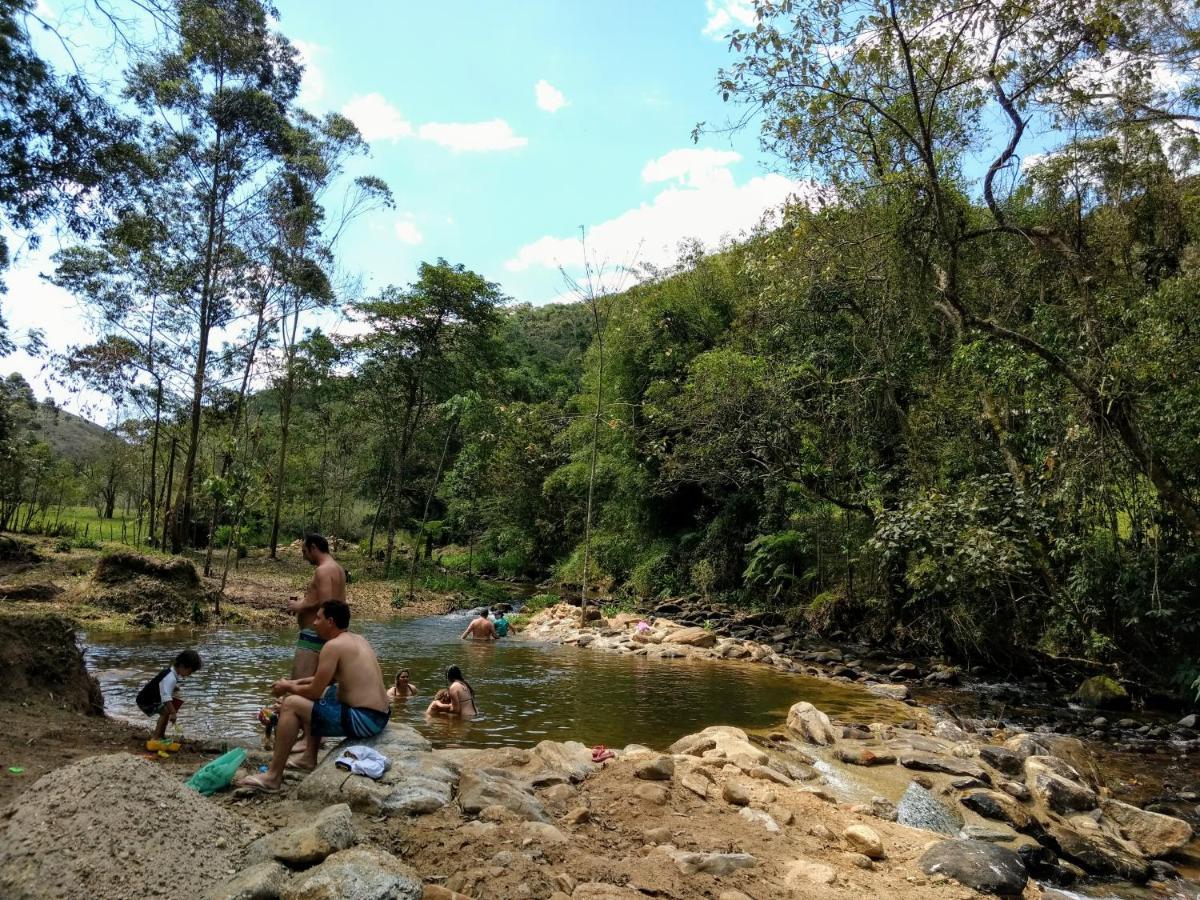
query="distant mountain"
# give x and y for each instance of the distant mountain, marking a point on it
(70, 436)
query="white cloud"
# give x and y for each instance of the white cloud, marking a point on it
(376, 118)
(710, 209)
(691, 165)
(726, 15)
(472, 137)
(312, 83)
(549, 97)
(407, 232)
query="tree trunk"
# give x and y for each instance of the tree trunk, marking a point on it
(412, 569)
(587, 522)
(167, 492)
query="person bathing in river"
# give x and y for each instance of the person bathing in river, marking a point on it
(403, 688)
(481, 628)
(460, 697)
(358, 708)
(328, 583)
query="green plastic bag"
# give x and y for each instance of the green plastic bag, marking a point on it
(218, 774)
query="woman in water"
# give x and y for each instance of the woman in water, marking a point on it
(403, 688)
(461, 700)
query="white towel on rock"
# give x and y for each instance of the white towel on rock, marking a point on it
(362, 760)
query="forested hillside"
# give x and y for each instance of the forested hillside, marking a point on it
(949, 404)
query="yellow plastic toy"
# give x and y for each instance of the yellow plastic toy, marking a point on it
(162, 747)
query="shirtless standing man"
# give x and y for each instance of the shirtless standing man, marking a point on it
(480, 629)
(360, 708)
(328, 583)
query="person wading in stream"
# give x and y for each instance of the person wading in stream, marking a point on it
(328, 583)
(358, 707)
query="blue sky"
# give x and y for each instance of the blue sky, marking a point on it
(501, 129)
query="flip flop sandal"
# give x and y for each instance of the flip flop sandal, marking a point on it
(600, 753)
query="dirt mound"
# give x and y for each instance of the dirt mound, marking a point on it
(32, 591)
(155, 591)
(40, 660)
(14, 550)
(115, 826)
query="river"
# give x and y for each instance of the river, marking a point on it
(527, 691)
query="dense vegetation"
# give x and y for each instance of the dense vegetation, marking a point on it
(951, 404)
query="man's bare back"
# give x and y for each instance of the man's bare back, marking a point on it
(480, 629)
(357, 672)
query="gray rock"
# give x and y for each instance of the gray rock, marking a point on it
(693, 744)
(263, 881)
(1153, 833)
(697, 784)
(950, 731)
(416, 782)
(927, 762)
(1083, 840)
(883, 808)
(758, 817)
(735, 793)
(661, 768)
(1055, 791)
(712, 863)
(652, 793)
(810, 724)
(480, 788)
(989, 834)
(997, 806)
(1016, 790)
(891, 691)
(980, 866)
(305, 845)
(1002, 759)
(358, 874)
(1188, 721)
(918, 808)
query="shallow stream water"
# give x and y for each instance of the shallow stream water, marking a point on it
(527, 691)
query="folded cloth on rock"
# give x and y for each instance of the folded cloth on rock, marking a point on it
(361, 760)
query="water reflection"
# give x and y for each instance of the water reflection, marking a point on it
(526, 691)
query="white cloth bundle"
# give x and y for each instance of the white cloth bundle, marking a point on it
(363, 761)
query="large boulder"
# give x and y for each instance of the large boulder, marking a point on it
(481, 788)
(724, 741)
(979, 865)
(1002, 759)
(1152, 833)
(692, 637)
(1102, 692)
(810, 724)
(305, 845)
(416, 782)
(358, 874)
(1052, 786)
(1083, 840)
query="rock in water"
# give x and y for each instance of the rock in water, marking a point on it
(920, 809)
(810, 724)
(1102, 692)
(1153, 833)
(980, 866)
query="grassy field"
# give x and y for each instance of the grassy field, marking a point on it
(77, 522)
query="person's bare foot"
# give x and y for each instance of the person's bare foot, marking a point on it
(299, 761)
(259, 783)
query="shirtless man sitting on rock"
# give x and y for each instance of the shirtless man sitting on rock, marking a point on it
(358, 708)
(480, 629)
(328, 583)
